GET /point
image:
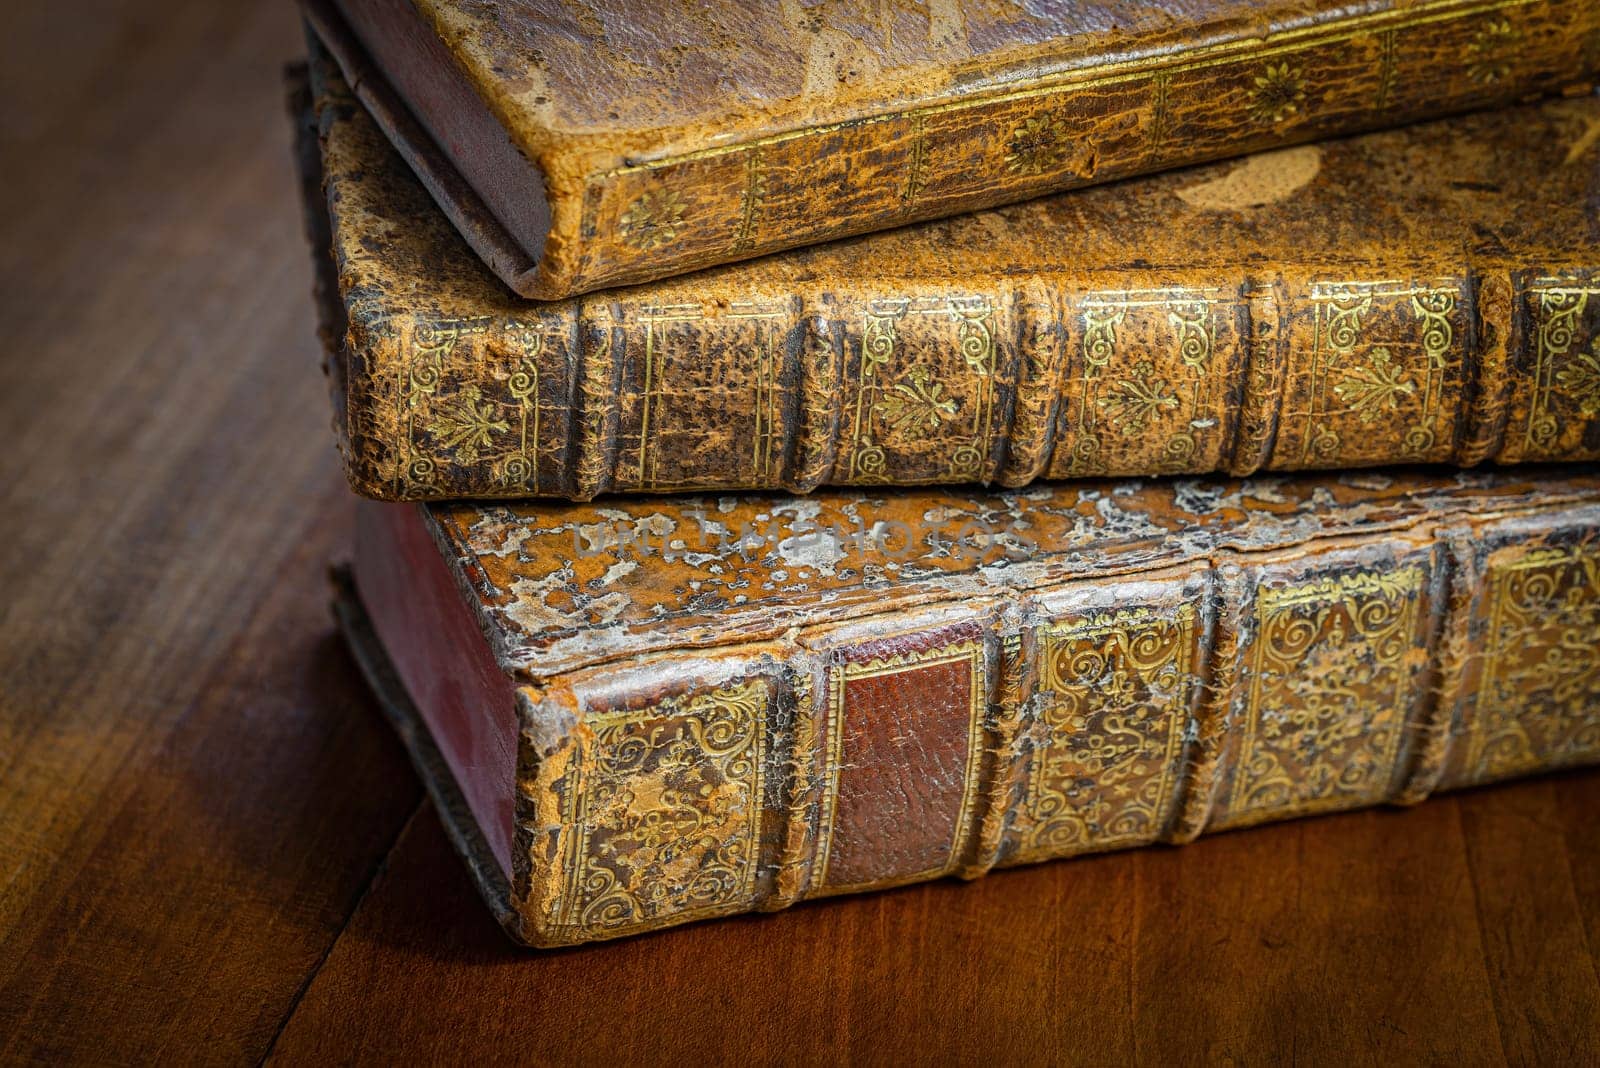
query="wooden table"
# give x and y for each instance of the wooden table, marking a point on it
(211, 848)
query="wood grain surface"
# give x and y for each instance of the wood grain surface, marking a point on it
(211, 850)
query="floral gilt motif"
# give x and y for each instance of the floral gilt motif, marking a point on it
(1375, 390)
(1040, 144)
(917, 405)
(467, 423)
(1539, 704)
(1111, 711)
(1580, 381)
(668, 811)
(1279, 94)
(1136, 401)
(653, 220)
(1330, 669)
(1491, 52)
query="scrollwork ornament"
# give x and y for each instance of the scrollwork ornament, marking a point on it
(1539, 701)
(668, 811)
(1329, 676)
(1085, 456)
(1419, 440)
(1109, 723)
(1179, 451)
(1561, 309)
(515, 470)
(966, 462)
(1192, 325)
(878, 337)
(1324, 444)
(869, 462)
(421, 469)
(1565, 381)
(1343, 331)
(1434, 307)
(976, 337)
(1100, 334)
(423, 382)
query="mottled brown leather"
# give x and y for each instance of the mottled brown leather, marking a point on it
(1429, 294)
(665, 138)
(733, 704)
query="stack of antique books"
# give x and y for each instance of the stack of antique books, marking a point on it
(812, 449)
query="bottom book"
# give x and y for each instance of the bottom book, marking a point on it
(639, 713)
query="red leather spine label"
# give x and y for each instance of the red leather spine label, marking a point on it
(905, 722)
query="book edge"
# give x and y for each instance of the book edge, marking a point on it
(397, 707)
(515, 265)
(568, 655)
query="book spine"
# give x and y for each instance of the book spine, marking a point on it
(1099, 714)
(1177, 103)
(994, 381)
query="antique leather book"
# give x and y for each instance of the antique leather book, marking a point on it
(581, 146)
(1430, 294)
(661, 710)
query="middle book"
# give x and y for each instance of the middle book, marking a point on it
(1426, 295)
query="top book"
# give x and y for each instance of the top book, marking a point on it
(581, 146)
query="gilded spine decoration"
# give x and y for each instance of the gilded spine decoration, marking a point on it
(1079, 718)
(983, 384)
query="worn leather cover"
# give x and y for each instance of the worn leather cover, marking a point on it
(1426, 295)
(664, 138)
(728, 704)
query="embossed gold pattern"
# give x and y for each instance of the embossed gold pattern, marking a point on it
(1580, 381)
(1043, 145)
(1040, 144)
(1566, 375)
(1354, 380)
(665, 812)
(1135, 401)
(466, 424)
(1114, 704)
(755, 191)
(1182, 657)
(916, 162)
(463, 424)
(1160, 111)
(917, 404)
(1377, 389)
(1329, 676)
(1539, 703)
(1121, 397)
(653, 220)
(764, 324)
(1279, 93)
(1386, 67)
(1492, 51)
(922, 398)
(802, 405)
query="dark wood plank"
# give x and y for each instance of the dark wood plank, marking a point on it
(1353, 936)
(195, 792)
(1529, 906)
(1362, 937)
